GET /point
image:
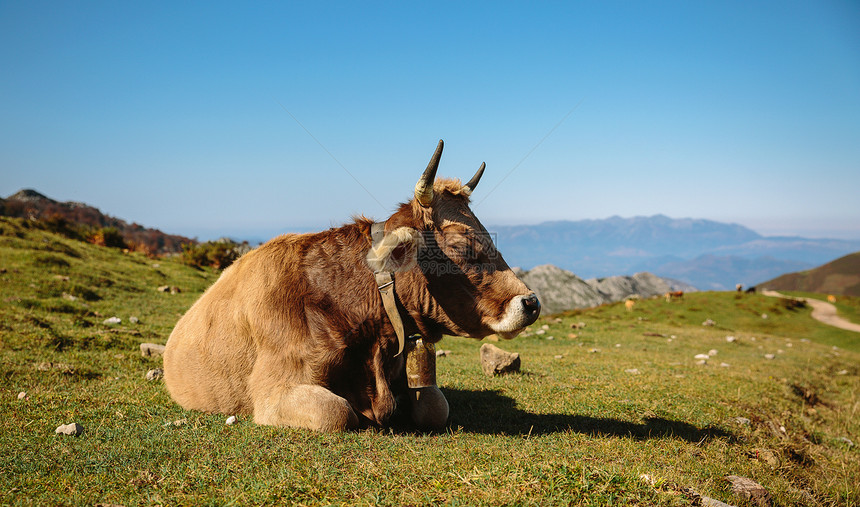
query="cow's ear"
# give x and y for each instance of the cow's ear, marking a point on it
(398, 251)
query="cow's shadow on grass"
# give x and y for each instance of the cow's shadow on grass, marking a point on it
(490, 412)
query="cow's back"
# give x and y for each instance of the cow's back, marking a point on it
(212, 350)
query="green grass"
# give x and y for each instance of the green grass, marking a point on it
(574, 427)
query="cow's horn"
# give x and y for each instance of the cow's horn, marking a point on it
(424, 187)
(475, 179)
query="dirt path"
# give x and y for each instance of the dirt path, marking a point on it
(822, 311)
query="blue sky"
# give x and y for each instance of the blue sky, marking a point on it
(249, 119)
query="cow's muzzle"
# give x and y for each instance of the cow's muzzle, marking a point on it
(521, 312)
(531, 307)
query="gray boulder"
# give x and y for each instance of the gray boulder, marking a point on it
(644, 285)
(560, 290)
(495, 361)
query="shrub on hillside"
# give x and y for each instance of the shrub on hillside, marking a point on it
(58, 224)
(134, 246)
(217, 254)
(107, 236)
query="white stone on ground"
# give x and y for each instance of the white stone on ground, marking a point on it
(151, 349)
(72, 429)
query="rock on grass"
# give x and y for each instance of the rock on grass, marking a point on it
(748, 489)
(495, 361)
(151, 349)
(73, 429)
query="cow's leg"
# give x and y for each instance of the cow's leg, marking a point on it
(305, 406)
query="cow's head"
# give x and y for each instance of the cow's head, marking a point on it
(450, 277)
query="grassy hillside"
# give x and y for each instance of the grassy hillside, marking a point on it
(841, 277)
(86, 221)
(593, 410)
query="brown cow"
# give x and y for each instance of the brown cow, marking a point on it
(296, 333)
(678, 294)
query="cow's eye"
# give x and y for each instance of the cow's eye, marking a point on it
(470, 246)
(456, 241)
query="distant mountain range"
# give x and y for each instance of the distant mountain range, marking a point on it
(33, 205)
(840, 277)
(705, 254)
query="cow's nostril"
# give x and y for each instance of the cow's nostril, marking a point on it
(531, 305)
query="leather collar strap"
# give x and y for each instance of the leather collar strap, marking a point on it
(385, 284)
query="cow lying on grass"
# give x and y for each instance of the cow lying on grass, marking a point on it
(296, 332)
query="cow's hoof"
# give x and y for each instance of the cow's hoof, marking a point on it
(429, 408)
